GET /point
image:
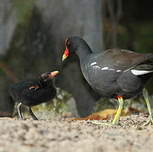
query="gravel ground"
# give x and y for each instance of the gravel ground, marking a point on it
(75, 136)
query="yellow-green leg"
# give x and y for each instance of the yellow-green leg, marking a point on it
(146, 98)
(119, 111)
(117, 115)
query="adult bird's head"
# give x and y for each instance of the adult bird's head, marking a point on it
(72, 44)
(49, 75)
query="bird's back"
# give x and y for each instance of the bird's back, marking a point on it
(104, 70)
(21, 92)
(121, 58)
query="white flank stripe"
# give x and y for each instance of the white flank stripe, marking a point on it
(104, 68)
(140, 72)
(96, 66)
(118, 70)
(93, 63)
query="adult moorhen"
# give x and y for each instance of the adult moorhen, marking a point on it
(33, 92)
(114, 73)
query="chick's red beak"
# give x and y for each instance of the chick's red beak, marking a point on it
(53, 74)
(66, 54)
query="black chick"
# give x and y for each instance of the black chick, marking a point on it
(33, 92)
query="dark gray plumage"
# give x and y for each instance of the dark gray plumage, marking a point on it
(33, 92)
(110, 72)
(114, 73)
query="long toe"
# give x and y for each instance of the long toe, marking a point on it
(32, 114)
(34, 117)
(149, 121)
(95, 122)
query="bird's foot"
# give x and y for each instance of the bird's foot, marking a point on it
(102, 123)
(34, 118)
(149, 121)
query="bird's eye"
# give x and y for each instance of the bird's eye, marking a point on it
(67, 42)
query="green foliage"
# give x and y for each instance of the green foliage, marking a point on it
(144, 37)
(135, 36)
(23, 10)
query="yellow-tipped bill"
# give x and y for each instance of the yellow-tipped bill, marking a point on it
(66, 54)
(64, 57)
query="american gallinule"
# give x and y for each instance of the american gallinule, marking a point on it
(114, 73)
(33, 92)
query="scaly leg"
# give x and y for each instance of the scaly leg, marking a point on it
(146, 98)
(32, 114)
(117, 115)
(19, 110)
(119, 111)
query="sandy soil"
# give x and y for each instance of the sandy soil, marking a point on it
(75, 136)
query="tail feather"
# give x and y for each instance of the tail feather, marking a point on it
(143, 68)
(140, 72)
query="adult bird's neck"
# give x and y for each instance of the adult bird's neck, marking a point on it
(83, 52)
